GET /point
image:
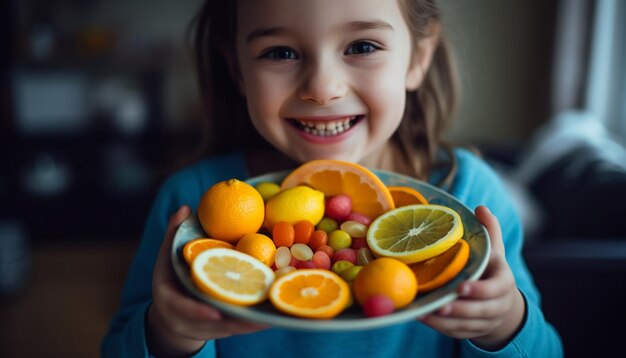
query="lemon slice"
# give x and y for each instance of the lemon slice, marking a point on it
(231, 276)
(310, 293)
(415, 233)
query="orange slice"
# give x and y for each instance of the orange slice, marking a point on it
(404, 195)
(194, 247)
(369, 194)
(310, 293)
(231, 276)
(437, 271)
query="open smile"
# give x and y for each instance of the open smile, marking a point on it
(326, 127)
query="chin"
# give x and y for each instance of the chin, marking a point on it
(328, 155)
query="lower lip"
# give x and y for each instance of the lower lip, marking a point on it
(325, 140)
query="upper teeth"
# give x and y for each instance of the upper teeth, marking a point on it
(326, 128)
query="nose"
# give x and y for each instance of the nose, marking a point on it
(322, 83)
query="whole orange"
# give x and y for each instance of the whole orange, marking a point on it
(231, 209)
(389, 277)
(258, 246)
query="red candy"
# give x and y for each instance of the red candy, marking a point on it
(305, 264)
(339, 207)
(346, 254)
(359, 243)
(378, 305)
(321, 260)
(363, 219)
(327, 249)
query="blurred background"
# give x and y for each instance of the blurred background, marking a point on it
(98, 102)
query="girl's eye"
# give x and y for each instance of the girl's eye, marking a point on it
(362, 48)
(280, 53)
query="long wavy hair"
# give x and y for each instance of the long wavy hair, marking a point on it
(427, 115)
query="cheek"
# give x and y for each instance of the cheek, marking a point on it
(386, 96)
(265, 95)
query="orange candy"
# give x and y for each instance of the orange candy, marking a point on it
(283, 234)
(318, 238)
(303, 231)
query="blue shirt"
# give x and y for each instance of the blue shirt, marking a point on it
(474, 184)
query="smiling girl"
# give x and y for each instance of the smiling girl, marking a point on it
(367, 81)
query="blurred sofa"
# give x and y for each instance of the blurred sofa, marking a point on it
(569, 185)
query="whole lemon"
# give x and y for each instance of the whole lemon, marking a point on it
(294, 204)
(231, 209)
(387, 276)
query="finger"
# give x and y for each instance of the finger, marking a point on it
(496, 282)
(241, 327)
(162, 265)
(224, 328)
(482, 309)
(459, 327)
(175, 220)
(492, 225)
(175, 302)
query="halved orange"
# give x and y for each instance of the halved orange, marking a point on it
(369, 194)
(231, 276)
(405, 195)
(310, 293)
(194, 247)
(437, 271)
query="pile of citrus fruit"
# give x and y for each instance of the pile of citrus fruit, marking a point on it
(331, 234)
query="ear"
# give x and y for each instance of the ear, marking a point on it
(230, 58)
(422, 57)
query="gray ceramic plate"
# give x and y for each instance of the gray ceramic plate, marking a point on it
(352, 318)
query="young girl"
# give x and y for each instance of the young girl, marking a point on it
(368, 81)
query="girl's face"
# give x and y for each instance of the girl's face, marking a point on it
(326, 79)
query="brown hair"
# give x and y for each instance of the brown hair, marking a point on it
(427, 114)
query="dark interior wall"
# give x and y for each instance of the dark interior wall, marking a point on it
(504, 50)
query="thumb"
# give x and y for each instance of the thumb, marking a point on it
(175, 220)
(491, 223)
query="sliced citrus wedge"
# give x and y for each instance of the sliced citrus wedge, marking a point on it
(310, 293)
(415, 233)
(405, 195)
(194, 247)
(369, 194)
(231, 276)
(437, 271)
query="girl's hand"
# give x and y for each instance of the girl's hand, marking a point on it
(488, 311)
(177, 324)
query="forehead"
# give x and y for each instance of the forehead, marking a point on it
(314, 16)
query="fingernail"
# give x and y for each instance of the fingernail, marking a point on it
(464, 290)
(444, 311)
(213, 315)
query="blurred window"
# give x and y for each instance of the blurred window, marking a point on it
(590, 61)
(606, 78)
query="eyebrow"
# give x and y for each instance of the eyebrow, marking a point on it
(356, 26)
(263, 32)
(353, 26)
